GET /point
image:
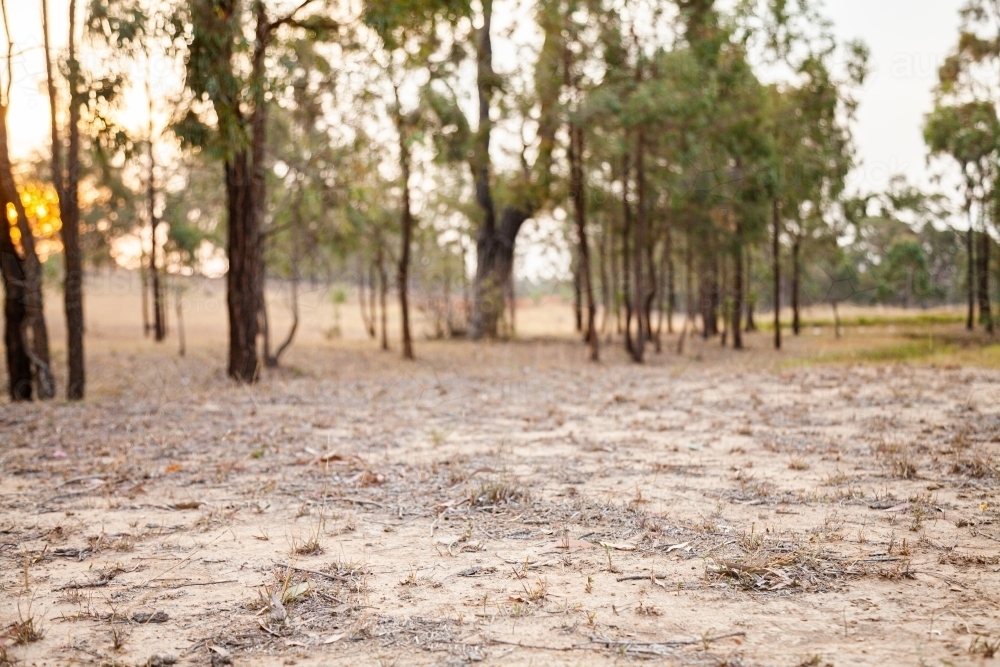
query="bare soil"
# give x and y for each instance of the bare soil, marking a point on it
(503, 504)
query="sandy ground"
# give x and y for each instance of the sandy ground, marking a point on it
(502, 504)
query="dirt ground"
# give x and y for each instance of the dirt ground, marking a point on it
(506, 504)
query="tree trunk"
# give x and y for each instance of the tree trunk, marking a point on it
(577, 289)
(181, 338)
(671, 279)
(796, 278)
(776, 267)
(19, 373)
(70, 213)
(639, 293)
(983, 261)
(606, 282)
(725, 300)
(272, 361)
(159, 305)
(737, 310)
(627, 258)
(970, 275)
(750, 299)
(577, 186)
(403, 274)
(495, 239)
(367, 319)
(144, 281)
(242, 293)
(383, 280)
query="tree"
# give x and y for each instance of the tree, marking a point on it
(225, 45)
(969, 134)
(25, 333)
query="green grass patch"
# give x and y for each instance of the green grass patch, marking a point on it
(873, 321)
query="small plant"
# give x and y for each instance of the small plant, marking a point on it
(798, 464)
(120, 634)
(981, 646)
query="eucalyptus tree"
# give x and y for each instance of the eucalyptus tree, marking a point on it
(408, 37)
(114, 32)
(25, 333)
(969, 133)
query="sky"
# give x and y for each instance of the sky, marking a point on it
(908, 40)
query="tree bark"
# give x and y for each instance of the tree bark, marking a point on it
(577, 291)
(577, 186)
(242, 294)
(159, 304)
(627, 259)
(19, 373)
(737, 309)
(668, 251)
(383, 295)
(796, 278)
(495, 239)
(70, 210)
(640, 291)
(367, 319)
(776, 268)
(406, 222)
(606, 285)
(750, 300)
(983, 261)
(970, 269)
(181, 338)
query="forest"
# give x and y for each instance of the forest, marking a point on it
(501, 331)
(385, 148)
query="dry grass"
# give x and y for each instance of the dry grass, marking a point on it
(505, 504)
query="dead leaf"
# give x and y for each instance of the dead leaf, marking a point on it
(296, 591)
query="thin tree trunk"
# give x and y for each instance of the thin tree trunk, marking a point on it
(605, 281)
(583, 250)
(796, 277)
(383, 295)
(671, 279)
(144, 282)
(407, 234)
(181, 338)
(159, 305)
(577, 290)
(626, 255)
(776, 267)
(970, 269)
(372, 296)
(983, 260)
(367, 319)
(750, 299)
(639, 293)
(73, 280)
(726, 300)
(275, 360)
(737, 310)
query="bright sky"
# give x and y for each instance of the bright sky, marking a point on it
(908, 38)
